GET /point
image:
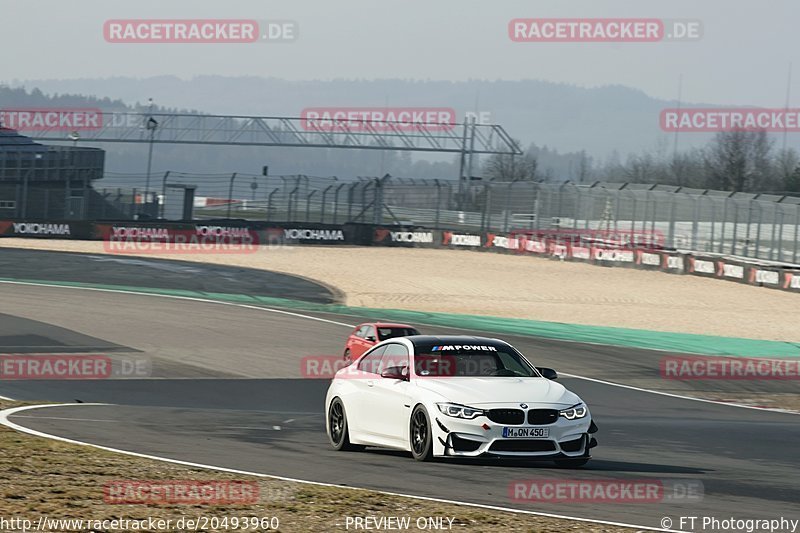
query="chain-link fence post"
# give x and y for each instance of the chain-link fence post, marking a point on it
(725, 204)
(796, 231)
(487, 208)
(758, 228)
(324, 201)
(85, 198)
(779, 243)
(309, 196)
(651, 195)
(133, 208)
(17, 199)
(672, 214)
(508, 205)
(290, 201)
(350, 195)
(336, 203)
(377, 203)
(746, 248)
(164, 192)
(302, 178)
(364, 187)
(556, 213)
(634, 206)
(438, 203)
(735, 226)
(713, 220)
(24, 199)
(269, 203)
(230, 194)
(695, 221)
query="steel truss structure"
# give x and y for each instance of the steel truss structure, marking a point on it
(175, 128)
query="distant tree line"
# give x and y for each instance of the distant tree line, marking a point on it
(736, 161)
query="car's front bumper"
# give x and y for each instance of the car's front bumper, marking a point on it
(472, 438)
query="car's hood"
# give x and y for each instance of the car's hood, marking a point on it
(480, 391)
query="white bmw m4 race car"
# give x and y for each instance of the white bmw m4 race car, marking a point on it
(456, 396)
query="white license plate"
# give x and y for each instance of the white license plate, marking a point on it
(526, 433)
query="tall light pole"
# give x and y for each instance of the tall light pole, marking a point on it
(151, 125)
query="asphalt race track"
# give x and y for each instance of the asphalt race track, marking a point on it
(225, 390)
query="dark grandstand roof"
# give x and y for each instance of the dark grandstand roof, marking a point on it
(13, 140)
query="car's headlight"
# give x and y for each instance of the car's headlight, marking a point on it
(459, 411)
(574, 412)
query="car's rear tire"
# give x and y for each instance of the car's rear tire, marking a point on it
(346, 356)
(572, 463)
(338, 432)
(420, 435)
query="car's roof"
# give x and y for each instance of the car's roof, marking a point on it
(388, 325)
(425, 340)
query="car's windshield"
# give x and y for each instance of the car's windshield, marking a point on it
(392, 332)
(472, 361)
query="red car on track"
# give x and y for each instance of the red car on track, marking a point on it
(367, 335)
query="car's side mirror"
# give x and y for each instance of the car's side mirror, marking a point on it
(370, 338)
(395, 372)
(549, 373)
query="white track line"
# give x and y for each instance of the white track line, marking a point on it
(671, 395)
(177, 297)
(65, 418)
(5, 414)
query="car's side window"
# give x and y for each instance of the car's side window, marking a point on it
(360, 331)
(396, 355)
(372, 361)
(369, 332)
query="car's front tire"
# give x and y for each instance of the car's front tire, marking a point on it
(337, 428)
(346, 356)
(420, 435)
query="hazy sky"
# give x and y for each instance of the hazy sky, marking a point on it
(742, 58)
